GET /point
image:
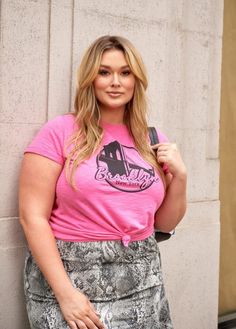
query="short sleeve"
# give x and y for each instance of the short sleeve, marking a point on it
(49, 141)
(163, 139)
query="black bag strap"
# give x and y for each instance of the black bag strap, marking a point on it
(154, 139)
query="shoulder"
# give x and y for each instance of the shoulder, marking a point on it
(162, 136)
(66, 121)
(61, 127)
(51, 138)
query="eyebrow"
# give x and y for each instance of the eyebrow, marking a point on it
(108, 67)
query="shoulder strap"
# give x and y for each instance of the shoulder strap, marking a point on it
(159, 236)
(153, 135)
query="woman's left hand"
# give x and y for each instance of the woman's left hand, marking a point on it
(173, 206)
(168, 153)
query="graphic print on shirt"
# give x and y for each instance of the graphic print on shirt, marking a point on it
(116, 166)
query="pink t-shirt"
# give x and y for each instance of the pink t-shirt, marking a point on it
(117, 192)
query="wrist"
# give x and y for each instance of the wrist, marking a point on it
(181, 175)
(64, 292)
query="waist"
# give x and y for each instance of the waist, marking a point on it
(93, 236)
(93, 252)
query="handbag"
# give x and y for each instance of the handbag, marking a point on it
(159, 236)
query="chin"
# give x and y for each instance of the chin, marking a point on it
(114, 106)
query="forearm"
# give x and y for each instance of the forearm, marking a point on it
(173, 207)
(44, 249)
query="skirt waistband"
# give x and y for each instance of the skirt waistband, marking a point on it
(107, 251)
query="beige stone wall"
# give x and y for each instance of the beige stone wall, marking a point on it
(180, 40)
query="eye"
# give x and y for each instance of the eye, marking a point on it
(103, 72)
(126, 72)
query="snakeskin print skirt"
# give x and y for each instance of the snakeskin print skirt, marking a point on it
(125, 285)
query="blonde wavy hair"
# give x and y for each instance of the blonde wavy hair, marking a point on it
(87, 115)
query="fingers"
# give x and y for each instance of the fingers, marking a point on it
(164, 146)
(72, 325)
(91, 321)
(163, 156)
(165, 152)
(79, 312)
(92, 324)
(86, 323)
(78, 324)
(161, 145)
(94, 309)
(168, 153)
(95, 319)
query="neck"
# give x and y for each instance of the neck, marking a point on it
(114, 116)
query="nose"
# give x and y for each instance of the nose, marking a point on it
(115, 81)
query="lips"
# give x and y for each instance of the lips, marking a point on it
(114, 93)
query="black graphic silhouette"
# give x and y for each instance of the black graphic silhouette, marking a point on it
(113, 155)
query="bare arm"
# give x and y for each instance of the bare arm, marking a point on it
(173, 207)
(36, 196)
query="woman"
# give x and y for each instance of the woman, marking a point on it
(91, 191)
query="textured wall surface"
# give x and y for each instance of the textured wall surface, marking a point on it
(180, 40)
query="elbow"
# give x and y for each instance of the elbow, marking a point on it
(182, 212)
(24, 221)
(31, 220)
(169, 222)
(180, 215)
(22, 218)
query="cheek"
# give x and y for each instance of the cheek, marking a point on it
(130, 84)
(100, 84)
(130, 87)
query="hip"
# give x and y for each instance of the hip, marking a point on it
(103, 270)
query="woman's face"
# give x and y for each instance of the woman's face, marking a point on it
(114, 84)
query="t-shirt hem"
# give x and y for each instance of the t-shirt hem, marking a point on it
(138, 237)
